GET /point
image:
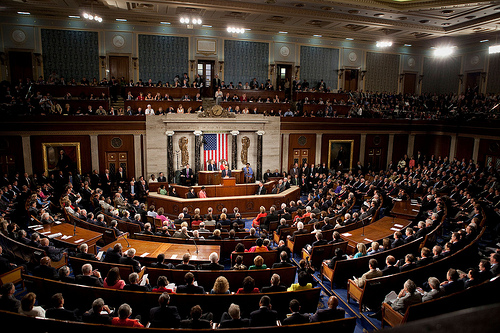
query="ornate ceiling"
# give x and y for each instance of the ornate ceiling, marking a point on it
(402, 21)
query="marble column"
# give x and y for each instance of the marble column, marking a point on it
(284, 152)
(138, 157)
(390, 148)
(319, 137)
(475, 150)
(197, 146)
(453, 147)
(28, 164)
(234, 149)
(362, 147)
(258, 175)
(411, 145)
(170, 156)
(94, 152)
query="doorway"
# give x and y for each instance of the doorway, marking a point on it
(472, 82)
(284, 73)
(351, 79)
(206, 70)
(119, 67)
(410, 80)
(300, 156)
(21, 65)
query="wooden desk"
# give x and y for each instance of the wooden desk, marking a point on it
(75, 91)
(172, 92)
(89, 237)
(209, 177)
(155, 105)
(254, 93)
(229, 181)
(342, 110)
(261, 107)
(241, 196)
(172, 251)
(405, 210)
(373, 232)
(317, 95)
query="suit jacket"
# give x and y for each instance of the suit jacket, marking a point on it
(282, 264)
(327, 314)
(389, 270)
(261, 190)
(196, 324)
(164, 317)
(186, 267)
(9, 304)
(61, 314)
(162, 179)
(86, 256)
(296, 318)
(184, 172)
(190, 289)
(274, 289)
(86, 280)
(372, 273)
(226, 172)
(212, 267)
(263, 317)
(46, 272)
(130, 261)
(212, 167)
(137, 287)
(235, 323)
(401, 304)
(433, 294)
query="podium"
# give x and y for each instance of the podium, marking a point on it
(209, 177)
(229, 181)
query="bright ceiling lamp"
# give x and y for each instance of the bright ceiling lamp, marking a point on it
(494, 49)
(444, 51)
(384, 44)
(234, 30)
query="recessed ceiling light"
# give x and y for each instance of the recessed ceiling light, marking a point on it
(74, 16)
(407, 45)
(206, 26)
(484, 41)
(349, 38)
(164, 22)
(122, 20)
(317, 36)
(282, 32)
(24, 13)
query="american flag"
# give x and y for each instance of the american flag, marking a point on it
(215, 147)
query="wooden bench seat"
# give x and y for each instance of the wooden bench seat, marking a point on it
(323, 252)
(270, 257)
(78, 296)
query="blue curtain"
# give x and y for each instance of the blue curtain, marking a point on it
(318, 63)
(244, 61)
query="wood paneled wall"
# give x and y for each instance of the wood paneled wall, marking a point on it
(431, 144)
(400, 147)
(12, 146)
(127, 145)
(376, 141)
(465, 147)
(325, 145)
(310, 144)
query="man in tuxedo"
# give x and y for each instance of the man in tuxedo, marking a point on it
(162, 178)
(212, 166)
(264, 316)
(331, 313)
(261, 189)
(187, 176)
(164, 316)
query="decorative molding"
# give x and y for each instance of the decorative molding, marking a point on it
(197, 132)
(169, 133)
(206, 46)
(260, 132)
(234, 132)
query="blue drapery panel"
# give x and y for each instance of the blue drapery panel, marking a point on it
(441, 75)
(244, 61)
(318, 63)
(493, 85)
(382, 72)
(72, 54)
(163, 57)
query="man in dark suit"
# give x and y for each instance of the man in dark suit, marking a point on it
(390, 267)
(283, 261)
(58, 311)
(226, 172)
(398, 239)
(275, 284)
(232, 319)
(164, 316)
(295, 317)
(8, 302)
(261, 189)
(83, 253)
(45, 270)
(129, 260)
(264, 316)
(331, 313)
(300, 231)
(89, 277)
(282, 225)
(214, 263)
(135, 283)
(161, 178)
(107, 182)
(185, 265)
(189, 287)
(114, 254)
(55, 254)
(121, 178)
(187, 176)
(212, 166)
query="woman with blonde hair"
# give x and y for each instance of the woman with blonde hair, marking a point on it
(262, 213)
(361, 250)
(258, 263)
(221, 286)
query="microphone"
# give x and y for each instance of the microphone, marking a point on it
(74, 227)
(195, 246)
(125, 238)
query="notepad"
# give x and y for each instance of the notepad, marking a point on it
(33, 226)
(398, 225)
(346, 234)
(99, 255)
(194, 257)
(66, 237)
(415, 210)
(368, 240)
(174, 256)
(79, 241)
(54, 235)
(57, 222)
(144, 279)
(45, 233)
(144, 254)
(395, 229)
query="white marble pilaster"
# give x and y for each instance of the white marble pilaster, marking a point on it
(28, 163)
(137, 153)
(453, 147)
(362, 147)
(411, 145)
(284, 151)
(390, 148)
(94, 152)
(475, 150)
(319, 137)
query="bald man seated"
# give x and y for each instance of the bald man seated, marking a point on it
(331, 313)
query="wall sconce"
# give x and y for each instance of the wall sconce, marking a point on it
(483, 76)
(271, 69)
(297, 70)
(340, 72)
(461, 78)
(192, 64)
(363, 73)
(221, 66)
(134, 62)
(38, 59)
(103, 61)
(420, 78)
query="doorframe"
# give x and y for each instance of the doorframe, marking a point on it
(288, 63)
(403, 81)
(359, 79)
(34, 63)
(115, 54)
